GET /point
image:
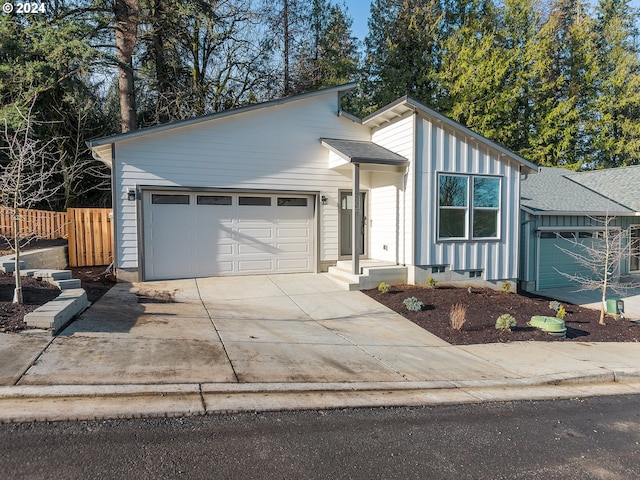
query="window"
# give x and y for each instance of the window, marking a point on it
(475, 274)
(454, 194)
(255, 201)
(159, 199)
(468, 206)
(292, 202)
(438, 269)
(486, 207)
(214, 200)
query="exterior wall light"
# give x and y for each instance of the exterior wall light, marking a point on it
(323, 199)
(131, 194)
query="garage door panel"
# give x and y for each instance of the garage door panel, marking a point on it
(255, 265)
(553, 262)
(255, 233)
(285, 248)
(216, 235)
(299, 264)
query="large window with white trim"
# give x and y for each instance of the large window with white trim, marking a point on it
(468, 207)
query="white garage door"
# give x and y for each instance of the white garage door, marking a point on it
(197, 234)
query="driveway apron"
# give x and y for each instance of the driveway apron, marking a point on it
(267, 329)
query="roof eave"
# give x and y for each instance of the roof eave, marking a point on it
(564, 213)
(417, 106)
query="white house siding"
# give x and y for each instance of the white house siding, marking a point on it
(394, 221)
(441, 149)
(272, 148)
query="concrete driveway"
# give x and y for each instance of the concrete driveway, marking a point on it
(269, 328)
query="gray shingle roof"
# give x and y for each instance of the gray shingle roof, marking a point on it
(619, 184)
(555, 190)
(357, 151)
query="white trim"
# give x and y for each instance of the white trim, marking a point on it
(576, 229)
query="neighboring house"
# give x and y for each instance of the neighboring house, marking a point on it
(270, 188)
(561, 207)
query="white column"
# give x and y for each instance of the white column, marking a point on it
(356, 226)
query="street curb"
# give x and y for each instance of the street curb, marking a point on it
(30, 403)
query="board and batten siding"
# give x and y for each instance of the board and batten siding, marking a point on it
(441, 149)
(273, 148)
(391, 196)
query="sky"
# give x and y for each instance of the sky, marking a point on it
(359, 11)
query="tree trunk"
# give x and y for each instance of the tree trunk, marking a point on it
(162, 81)
(17, 293)
(285, 53)
(126, 15)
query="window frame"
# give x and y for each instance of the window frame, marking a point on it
(470, 208)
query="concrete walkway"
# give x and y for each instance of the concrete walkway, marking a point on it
(251, 343)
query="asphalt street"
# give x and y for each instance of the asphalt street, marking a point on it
(592, 438)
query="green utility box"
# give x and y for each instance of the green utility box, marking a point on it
(615, 306)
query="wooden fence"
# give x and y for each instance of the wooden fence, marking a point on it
(90, 237)
(39, 223)
(88, 230)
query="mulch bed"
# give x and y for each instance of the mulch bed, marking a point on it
(34, 292)
(484, 306)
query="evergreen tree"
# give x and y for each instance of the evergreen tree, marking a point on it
(616, 126)
(403, 51)
(330, 54)
(563, 88)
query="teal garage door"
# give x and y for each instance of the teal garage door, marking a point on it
(552, 259)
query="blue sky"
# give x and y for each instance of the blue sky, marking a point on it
(359, 11)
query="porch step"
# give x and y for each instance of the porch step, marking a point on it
(347, 280)
(372, 274)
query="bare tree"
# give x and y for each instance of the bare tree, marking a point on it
(601, 258)
(25, 174)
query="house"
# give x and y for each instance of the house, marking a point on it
(298, 185)
(560, 205)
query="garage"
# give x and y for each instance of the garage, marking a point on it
(553, 260)
(197, 233)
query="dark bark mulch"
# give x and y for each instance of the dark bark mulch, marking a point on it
(484, 306)
(35, 293)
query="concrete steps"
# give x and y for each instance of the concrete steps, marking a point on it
(372, 273)
(57, 313)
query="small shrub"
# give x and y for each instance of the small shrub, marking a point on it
(413, 304)
(431, 282)
(558, 308)
(457, 316)
(561, 312)
(384, 287)
(505, 322)
(554, 305)
(506, 287)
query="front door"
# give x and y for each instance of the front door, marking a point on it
(346, 223)
(634, 265)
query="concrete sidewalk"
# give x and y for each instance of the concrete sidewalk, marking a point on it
(276, 342)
